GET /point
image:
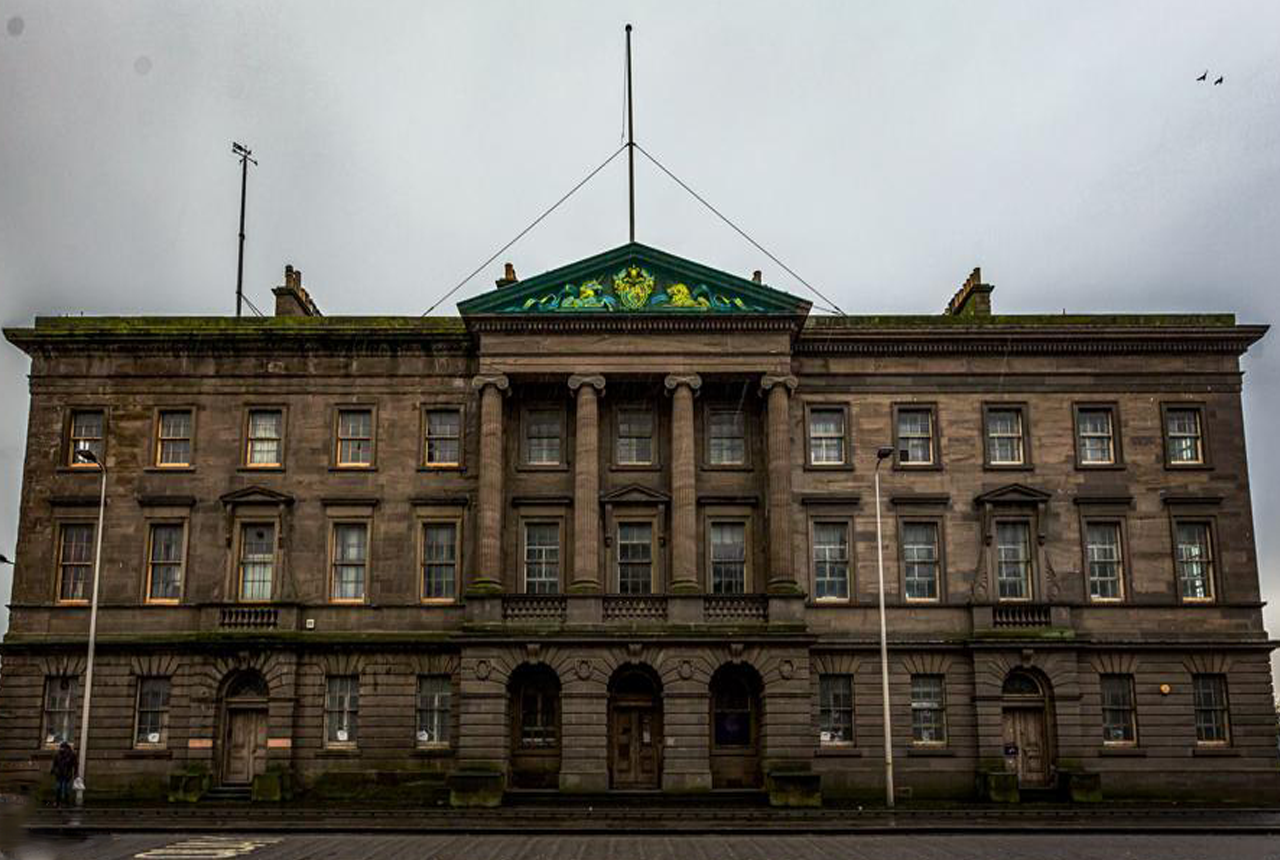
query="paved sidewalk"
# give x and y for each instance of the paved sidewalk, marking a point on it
(652, 820)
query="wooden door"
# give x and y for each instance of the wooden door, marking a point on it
(245, 744)
(1024, 730)
(636, 745)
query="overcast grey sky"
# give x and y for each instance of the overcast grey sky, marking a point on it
(882, 150)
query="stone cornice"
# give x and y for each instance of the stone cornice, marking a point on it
(637, 323)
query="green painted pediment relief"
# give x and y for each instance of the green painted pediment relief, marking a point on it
(635, 279)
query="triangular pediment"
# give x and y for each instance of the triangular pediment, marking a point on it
(636, 495)
(635, 279)
(1013, 494)
(256, 496)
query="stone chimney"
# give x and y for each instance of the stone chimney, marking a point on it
(973, 299)
(508, 276)
(291, 299)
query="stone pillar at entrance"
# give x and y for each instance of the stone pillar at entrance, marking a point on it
(778, 389)
(684, 497)
(586, 484)
(486, 575)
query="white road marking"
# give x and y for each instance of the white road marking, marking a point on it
(206, 848)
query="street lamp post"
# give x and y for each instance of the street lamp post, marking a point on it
(881, 455)
(88, 456)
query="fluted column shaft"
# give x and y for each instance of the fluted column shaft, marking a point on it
(778, 390)
(487, 573)
(684, 491)
(586, 483)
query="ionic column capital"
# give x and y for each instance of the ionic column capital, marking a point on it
(769, 380)
(497, 380)
(595, 380)
(675, 380)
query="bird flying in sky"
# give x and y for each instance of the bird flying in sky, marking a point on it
(1205, 75)
(1219, 80)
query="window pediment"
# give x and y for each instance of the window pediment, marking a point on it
(256, 496)
(1013, 494)
(635, 494)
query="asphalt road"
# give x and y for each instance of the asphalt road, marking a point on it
(799, 847)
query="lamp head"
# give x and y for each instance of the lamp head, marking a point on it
(884, 451)
(4, 559)
(84, 455)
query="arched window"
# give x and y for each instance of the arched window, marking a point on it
(1022, 684)
(536, 695)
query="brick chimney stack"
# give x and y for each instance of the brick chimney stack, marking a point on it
(292, 299)
(973, 299)
(508, 276)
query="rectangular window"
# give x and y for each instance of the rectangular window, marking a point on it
(164, 566)
(1118, 723)
(257, 561)
(1095, 436)
(350, 558)
(635, 558)
(1005, 437)
(1105, 558)
(915, 437)
(635, 437)
(444, 437)
(439, 561)
(59, 710)
(542, 558)
(153, 712)
(543, 432)
(341, 709)
(1212, 719)
(538, 721)
(1013, 560)
(173, 438)
(1183, 436)
(435, 709)
(920, 560)
(726, 438)
(826, 436)
(355, 437)
(728, 558)
(1194, 560)
(831, 561)
(835, 709)
(265, 438)
(87, 434)
(928, 710)
(75, 561)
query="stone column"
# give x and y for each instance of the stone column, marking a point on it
(486, 575)
(586, 484)
(684, 491)
(778, 389)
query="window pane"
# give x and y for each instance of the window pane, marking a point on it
(543, 442)
(1118, 724)
(920, 560)
(1212, 725)
(60, 712)
(728, 558)
(1182, 428)
(635, 437)
(444, 434)
(1096, 443)
(342, 707)
(542, 558)
(1004, 436)
(174, 439)
(76, 560)
(826, 436)
(435, 697)
(1194, 561)
(439, 560)
(635, 558)
(915, 436)
(1013, 558)
(153, 710)
(928, 709)
(835, 709)
(355, 437)
(350, 552)
(1102, 546)
(86, 433)
(265, 432)
(727, 439)
(831, 560)
(166, 562)
(257, 561)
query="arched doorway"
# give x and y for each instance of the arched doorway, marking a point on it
(535, 727)
(635, 729)
(735, 727)
(243, 712)
(1028, 727)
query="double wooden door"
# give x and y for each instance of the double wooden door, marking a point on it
(1026, 739)
(635, 754)
(244, 745)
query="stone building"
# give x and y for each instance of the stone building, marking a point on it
(613, 528)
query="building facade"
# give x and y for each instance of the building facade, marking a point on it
(614, 528)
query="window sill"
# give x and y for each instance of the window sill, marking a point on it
(930, 752)
(727, 467)
(1189, 467)
(1215, 751)
(338, 752)
(828, 467)
(252, 469)
(1122, 751)
(1100, 467)
(1008, 467)
(535, 467)
(145, 753)
(162, 469)
(432, 752)
(456, 469)
(635, 467)
(917, 467)
(838, 751)
(353, 468)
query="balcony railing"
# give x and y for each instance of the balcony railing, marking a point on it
(635, 608)
(249, 618)
(735, 608)
(534, 607)
(1023, 615)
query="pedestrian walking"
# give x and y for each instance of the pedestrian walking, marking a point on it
(65, 767)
